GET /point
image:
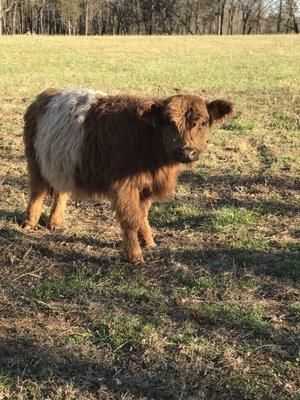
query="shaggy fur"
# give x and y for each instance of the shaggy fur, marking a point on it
(59, 139)
(127, 148)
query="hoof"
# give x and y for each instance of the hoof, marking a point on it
(27, 226)
(147, 244)
(151, 245)
(135, 258)
(53, 226)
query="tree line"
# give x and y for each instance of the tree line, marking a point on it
(149, 17)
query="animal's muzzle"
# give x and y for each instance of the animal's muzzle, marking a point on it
(186, 155)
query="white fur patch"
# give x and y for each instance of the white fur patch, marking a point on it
(60, 134)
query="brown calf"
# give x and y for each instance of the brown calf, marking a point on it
(126, 148)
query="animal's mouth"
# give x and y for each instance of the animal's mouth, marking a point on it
(186, 155)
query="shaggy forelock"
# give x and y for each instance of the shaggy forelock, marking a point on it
(184, 111)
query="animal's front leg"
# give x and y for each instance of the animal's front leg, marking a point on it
(145, 233)
(126, 203)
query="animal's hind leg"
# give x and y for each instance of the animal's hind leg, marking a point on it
(38, 191)
(145, 233)
(57, 215)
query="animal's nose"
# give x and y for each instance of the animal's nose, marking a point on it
(188, 155)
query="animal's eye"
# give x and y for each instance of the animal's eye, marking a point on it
(169, 122)
(204, 123)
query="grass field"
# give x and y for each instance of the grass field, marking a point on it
(214, 312)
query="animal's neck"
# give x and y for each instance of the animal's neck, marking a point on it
(156, 151)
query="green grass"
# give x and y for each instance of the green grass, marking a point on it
(53, 289)
(283, 121)
(227, 219)
(214, 312)
(117, 330)
(232, 315)
(239, 126)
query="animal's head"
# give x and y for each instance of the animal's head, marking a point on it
(185, 122)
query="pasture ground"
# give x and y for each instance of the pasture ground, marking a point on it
(213, 313)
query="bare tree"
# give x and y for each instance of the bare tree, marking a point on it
(90, 10)
(5, 7)
(70, 12)
(220, 13)
(292, 9)
(232, 9)
(279, 17)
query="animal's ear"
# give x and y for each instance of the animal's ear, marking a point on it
(219, 109)
(150, 111)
